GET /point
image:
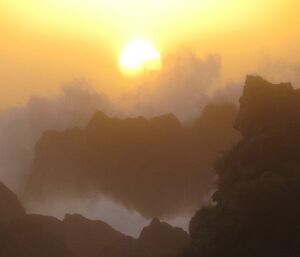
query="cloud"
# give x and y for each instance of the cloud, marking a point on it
(182, 87)
(94, 207)
(20, 127)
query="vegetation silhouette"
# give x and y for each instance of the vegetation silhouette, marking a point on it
(256, 211)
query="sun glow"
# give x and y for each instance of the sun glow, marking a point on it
(139, 55)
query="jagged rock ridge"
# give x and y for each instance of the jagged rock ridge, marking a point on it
(136, 161)
(24, 235)
(10, 206)
(158, 239)
(256, 211)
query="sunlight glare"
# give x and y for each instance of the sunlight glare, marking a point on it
(139, 55)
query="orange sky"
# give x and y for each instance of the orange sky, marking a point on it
(46, 43)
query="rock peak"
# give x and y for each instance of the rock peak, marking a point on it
(10, 205)
(155, 221)
(265, 106)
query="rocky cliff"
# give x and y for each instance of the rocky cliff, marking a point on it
(256, 211)
(25, 235)
(10, 206)
(159, 239)
(136, 161)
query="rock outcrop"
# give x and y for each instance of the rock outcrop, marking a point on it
(125, 247)
(87, 238)
(10, 206)
(136, 161)
(256, 211)
(159, 239)
(265, 106)
(42, 236)
(24, 235)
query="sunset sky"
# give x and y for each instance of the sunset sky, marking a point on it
(47, 43)
(142, 66)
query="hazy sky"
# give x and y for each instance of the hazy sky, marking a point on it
(45, 44)
(49, 42)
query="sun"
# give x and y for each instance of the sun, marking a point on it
(138, 56)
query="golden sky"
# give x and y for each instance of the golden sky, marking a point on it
(49, 42)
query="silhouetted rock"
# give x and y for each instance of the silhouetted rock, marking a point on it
(42, 235)
(87, 237)
(10, 206)
(260, 102)
(159, 239)
(162, 240)
(256, 211)
(136, 161)
(215, 123)
(168, 121)
(11, 247)
(125, 247)
(23, 235)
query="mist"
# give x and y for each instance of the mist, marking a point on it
(184, 86)
(149, 128)
(21, 126)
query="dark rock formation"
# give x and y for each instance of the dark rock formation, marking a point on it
(215, 129)
(87, 238)
(23, 235)
(162, 240)
(125, 247)
(42, 235)
(10, 206)
(136, 161)
(265, 106)
(256, 211)
(74, 236)
(11, 247)
(159, 239)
